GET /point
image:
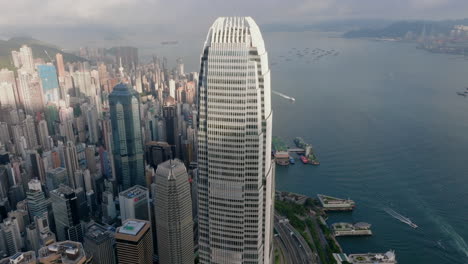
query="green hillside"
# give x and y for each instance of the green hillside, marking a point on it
(38, 47)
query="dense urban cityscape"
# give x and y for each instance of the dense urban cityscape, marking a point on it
(108, 156)
(109, 160)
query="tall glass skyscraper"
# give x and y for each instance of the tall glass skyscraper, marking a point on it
(236, 172)
(127, 139)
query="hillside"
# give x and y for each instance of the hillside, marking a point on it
(38, 47)
(401, 28)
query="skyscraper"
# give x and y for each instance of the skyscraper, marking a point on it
(157, 152)
(99, 243)
(49, 82)
(26, 58)
(173, 213)
(127, 137)
(65, 206)
(236, 174)
(37, 202)
(134, 203)
(60, 65)
(134, 242)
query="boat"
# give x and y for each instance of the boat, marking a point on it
(304, 159)
(400, 217)
(292, 160)
(461, 94)
(314, 162)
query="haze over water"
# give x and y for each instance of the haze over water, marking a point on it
(389, 130)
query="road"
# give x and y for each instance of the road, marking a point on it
(296, 248)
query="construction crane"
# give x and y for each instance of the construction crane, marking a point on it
(51, 60)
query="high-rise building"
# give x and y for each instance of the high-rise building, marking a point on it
(65, 206)
(43, 135)
(38, 204)
(134, 203)
(12, 236)
(60, 65)
(127, 136)
(71, 163)
(236, 174)
(26, 58)
(157, 152)
(55, 177)
(134, 242)
(7, 90)
(99, 243)
(173, 213)
(49, 82)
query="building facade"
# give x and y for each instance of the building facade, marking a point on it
(134, 203)
(127, 136)
(134, 242)
(236, 173)
(173, 213)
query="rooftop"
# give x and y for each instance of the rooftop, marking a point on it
(67, 252)
(133, 191)
(131, 227)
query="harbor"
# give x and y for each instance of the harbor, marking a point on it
(284, 154)
(305, 218)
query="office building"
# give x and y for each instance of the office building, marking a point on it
(157, 152)
(127, 136)
(38, 204)
(173, 213)
(134, 242)
(12, 235)
(236, 174)
(99, 244)
(134, 203)
(56, 177)
(65, 206)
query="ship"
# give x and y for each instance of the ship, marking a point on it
(292, 160)
(461, 94)
(304, 159)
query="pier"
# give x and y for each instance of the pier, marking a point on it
(348, 229)
(330, 203)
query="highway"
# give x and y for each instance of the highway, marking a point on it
(296, 248)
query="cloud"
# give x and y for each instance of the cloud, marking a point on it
(189, 12)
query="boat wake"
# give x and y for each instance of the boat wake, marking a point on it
(284, 96)
(400, 217)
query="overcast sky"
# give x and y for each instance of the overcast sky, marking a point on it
(201, 12)
(101, 23)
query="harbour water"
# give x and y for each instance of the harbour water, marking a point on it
(389, 130)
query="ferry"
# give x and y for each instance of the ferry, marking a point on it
(304, 159)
